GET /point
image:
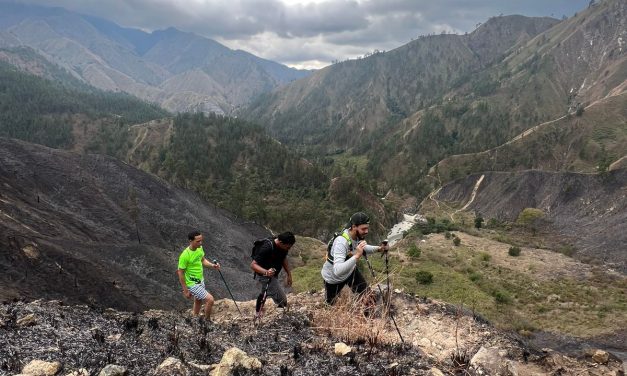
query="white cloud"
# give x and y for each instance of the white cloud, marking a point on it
(311, 33)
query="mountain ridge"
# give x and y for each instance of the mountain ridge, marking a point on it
(115, 58)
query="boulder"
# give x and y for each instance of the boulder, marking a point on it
(435, 372)
(492, 361)
(601, 356)
(41, 368)
(171, 367)
(342, 349)
(112, 370)
(235, 358)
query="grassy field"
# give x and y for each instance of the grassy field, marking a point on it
(537, 290)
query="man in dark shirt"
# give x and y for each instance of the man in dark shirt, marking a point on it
(267, 264)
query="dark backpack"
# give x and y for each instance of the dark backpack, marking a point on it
(257, 246)
(329, 256)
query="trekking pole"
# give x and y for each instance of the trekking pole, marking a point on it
(387, 273)
(228, 289)
(381, 291)
(264, 295)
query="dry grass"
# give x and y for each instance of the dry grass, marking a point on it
(347, 321)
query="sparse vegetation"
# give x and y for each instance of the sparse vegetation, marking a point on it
(502, 297)
(529, 216)
(478, 222)
(424, 277)
(567, 250)
(339, 321)
(514, 251)
(457, 241)
(413, 251)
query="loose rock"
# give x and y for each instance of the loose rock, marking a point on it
(112, 370)
(171, 367)
(41, 368)
(342, 349)
(234, 358)
(601, 356)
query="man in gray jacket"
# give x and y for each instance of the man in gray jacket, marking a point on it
(340, 267)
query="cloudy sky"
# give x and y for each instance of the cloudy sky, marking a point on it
(312, 33)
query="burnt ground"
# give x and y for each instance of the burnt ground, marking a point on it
(82, 337)
(588, 211)
(292, 343)
(91, 229)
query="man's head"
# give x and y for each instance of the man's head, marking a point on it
(359, 225)
(285, 240)
(195, 239)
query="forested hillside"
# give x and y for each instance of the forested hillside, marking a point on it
(393, 115)
(39, 110)
(237, 166)
(229, 162)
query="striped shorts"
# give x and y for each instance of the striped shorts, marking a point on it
(198, 291)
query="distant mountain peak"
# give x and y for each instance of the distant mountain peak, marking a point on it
(112, 57)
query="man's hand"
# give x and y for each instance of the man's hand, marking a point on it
(384, 247)
(187, 294)
(216, 265)
(359, 251)
(289, 279)
(270, 272)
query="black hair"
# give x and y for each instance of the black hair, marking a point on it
(286, 238)
(192, 235)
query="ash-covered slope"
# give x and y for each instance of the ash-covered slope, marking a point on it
(589, 210)
(91, 229)
(84, 341)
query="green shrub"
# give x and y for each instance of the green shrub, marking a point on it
(474, 276)
(433, 226)
(580, 110)
(529, 215)
(424, 278)
(478, 222)
(414, 251)
(457, 241)
(567, 250)
(485, 256)
(502, 297)
(514, 251)
(448, 235)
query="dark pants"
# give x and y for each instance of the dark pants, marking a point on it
(270, 287)
(355, 281)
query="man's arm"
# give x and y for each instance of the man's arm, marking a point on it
(261, 270)
(287, 271)
(342, 266)
(207, 264)
(181, 274)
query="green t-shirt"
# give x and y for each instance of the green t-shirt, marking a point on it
(191, 262)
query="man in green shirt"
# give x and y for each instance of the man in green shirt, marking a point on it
(190, 273)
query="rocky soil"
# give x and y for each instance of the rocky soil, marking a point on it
(79, 340)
